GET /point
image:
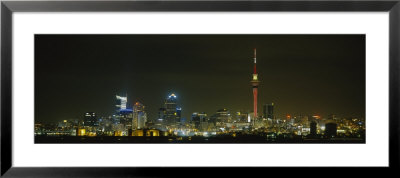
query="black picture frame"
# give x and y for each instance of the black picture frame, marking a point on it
(8, 7)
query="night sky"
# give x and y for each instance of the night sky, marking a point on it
(301, 74)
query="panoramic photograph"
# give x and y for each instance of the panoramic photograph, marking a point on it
(200, 88)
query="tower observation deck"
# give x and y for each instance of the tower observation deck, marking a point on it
(255, 82)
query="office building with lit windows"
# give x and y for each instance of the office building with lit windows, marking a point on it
(268, 111)
(89, 119)
(172, 114)
(121, 102)
(139, 116)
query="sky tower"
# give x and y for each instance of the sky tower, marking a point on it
(255, 82)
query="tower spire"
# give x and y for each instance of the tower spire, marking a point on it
(255, 82)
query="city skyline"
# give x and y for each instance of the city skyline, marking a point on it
(299, 80)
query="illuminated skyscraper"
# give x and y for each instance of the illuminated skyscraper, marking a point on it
(255, 82)
(121, 102)
(139, 116)
(123, 117)
(223, 116)
(123, 122)
(172, 114)
(199, 121)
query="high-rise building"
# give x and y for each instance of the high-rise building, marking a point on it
(313, 128)
(178, 114)
(161, 113)
(330, 129)
(124, 115)
(121, 102)
(241, 116)
(265, 110)
(89, 119)
(222, 117)
(124, 118)
(255, 82)
(160, 123)
(195, 120)
(199, 120)
(172, 114)
(270, 112)
(139, 116)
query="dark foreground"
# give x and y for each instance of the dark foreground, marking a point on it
(193, 139)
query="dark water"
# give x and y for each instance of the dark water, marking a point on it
(193, 139)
